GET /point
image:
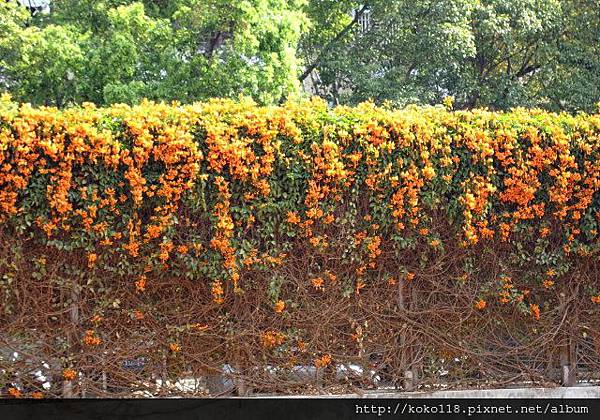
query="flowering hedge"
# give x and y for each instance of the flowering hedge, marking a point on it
(236, 199)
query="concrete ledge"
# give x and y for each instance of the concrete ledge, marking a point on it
(558, 392)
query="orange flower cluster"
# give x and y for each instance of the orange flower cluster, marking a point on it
(317, 283)
(92, 260)
(140, 284)
(507, 289)
(535, 311)
(272, 339)
(548, 283)
(14, 392)
(69, 374)
(91, 339)
(279, 306)
(480, 304)
(359, 286)
(373, 248)
(323, 361)
(224, 230)
(292, 218)
(217, 292)
(36, 395)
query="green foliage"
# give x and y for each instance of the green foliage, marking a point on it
(493, 53)
(483, 53)
(129, 184)
(123, 51)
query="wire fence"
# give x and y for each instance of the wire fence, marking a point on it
(96, 336)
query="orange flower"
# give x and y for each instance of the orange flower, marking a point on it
(373, 247)
(359, 286)
(175, 347)
(423, 231)
(138, 315)
(317, 283)
(92, 260)
(69, 374)
(279, 306)
(410, 276)
(140, 284)
(434, 242)
(14, 392)
(359, 237)
(301, 346)
(235, 276)
(272, 338)
(361, 270)
(391, 281)
(535, 310)
(292, 218)
(36, 395)
(596, 299)
(323, 361)
(217, 292)
(480, 304)
(90, 338)
(548, 283)
(165, 249)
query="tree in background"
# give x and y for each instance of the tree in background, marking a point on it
(495, 53)
(122, 51)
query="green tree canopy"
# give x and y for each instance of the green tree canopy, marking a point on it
(122, 51)
(495, 53)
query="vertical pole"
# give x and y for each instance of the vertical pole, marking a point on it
(568, 363)
(415, 365)
(405, 362)
(104, 385)
(242, 388)
(67, 389)
(568, 355)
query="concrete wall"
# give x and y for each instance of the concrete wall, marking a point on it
(558, 392)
